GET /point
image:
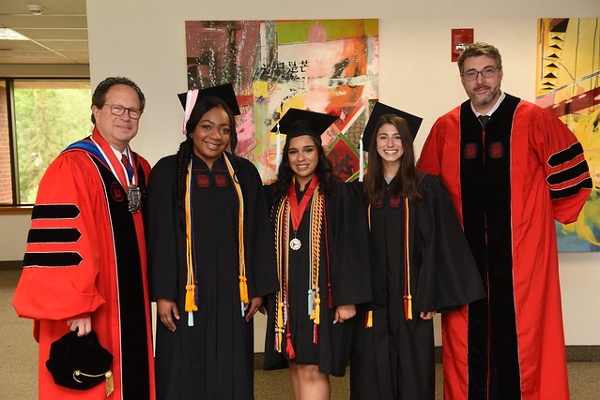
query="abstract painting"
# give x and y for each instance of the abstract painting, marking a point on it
(328, 66)
(568, 84)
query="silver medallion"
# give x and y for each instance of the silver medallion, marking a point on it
(134, 197)
(295, 244)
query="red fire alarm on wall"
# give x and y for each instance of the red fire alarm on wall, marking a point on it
(461, 38)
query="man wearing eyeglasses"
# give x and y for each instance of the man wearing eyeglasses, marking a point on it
(511, 168)
(85, 261)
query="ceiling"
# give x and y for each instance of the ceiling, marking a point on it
(57, 36)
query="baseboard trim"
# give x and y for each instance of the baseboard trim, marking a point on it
(10, 265)
(574, 354)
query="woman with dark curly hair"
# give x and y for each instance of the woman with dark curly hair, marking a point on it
(321, 251)
(210, 254)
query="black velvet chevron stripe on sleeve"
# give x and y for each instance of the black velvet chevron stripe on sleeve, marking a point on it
(566, 155)
(54, 259)
(53, 235)
(570, 173)
(54, 211)
(556, 194)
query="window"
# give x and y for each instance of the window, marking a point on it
(38, 119)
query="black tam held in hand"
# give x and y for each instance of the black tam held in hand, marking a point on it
(80, 362)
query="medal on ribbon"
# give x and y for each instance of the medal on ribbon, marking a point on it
(134, 198)
(296, 210)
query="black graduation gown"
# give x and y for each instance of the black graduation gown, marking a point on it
(395, 358)
(347, 246)
(214, 358)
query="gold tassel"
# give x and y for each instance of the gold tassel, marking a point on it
(408, 307)
(369, 321)
(280, 325)
(110, 385)
(244, 289)
(316, 315)
(190, 291)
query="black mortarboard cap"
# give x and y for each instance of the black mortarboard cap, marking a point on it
(71, 354)
(296, 122)
(380, 109)
(225, 92)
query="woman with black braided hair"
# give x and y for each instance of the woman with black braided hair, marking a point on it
(210, 254)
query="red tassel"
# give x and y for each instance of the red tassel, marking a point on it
(316, 334)
(405, 308)
(289, 348)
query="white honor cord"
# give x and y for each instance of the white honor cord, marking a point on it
(278, 154)
(362, 159)
(111, 166)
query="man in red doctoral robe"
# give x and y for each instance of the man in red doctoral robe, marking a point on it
(512, 169)
(85, 261)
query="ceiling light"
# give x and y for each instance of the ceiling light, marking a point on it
(9, 34)
(35, 9)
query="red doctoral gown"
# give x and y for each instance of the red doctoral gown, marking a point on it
(508, 184)
(86, 256)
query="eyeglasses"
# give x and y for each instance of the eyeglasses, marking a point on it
(118, 110)
(472, 74)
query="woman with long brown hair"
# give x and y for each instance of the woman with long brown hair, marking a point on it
(420, 264)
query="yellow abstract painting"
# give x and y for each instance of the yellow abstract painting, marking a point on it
(568, 84)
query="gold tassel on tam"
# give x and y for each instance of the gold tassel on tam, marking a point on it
(110, 385)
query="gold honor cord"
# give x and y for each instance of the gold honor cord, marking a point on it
(316, 221)
(369, 314)
(408, 296)
(241, 255)
(283, 216)
(282, 236)
(190, 287)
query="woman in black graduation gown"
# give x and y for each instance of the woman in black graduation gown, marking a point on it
(420, 264)
(210, 254)
(322, 257)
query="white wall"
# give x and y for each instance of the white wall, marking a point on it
(145, 41)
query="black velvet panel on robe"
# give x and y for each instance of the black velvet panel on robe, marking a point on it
(486, 197)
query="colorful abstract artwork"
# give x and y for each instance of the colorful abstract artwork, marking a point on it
(569, 85)
(328, 66)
